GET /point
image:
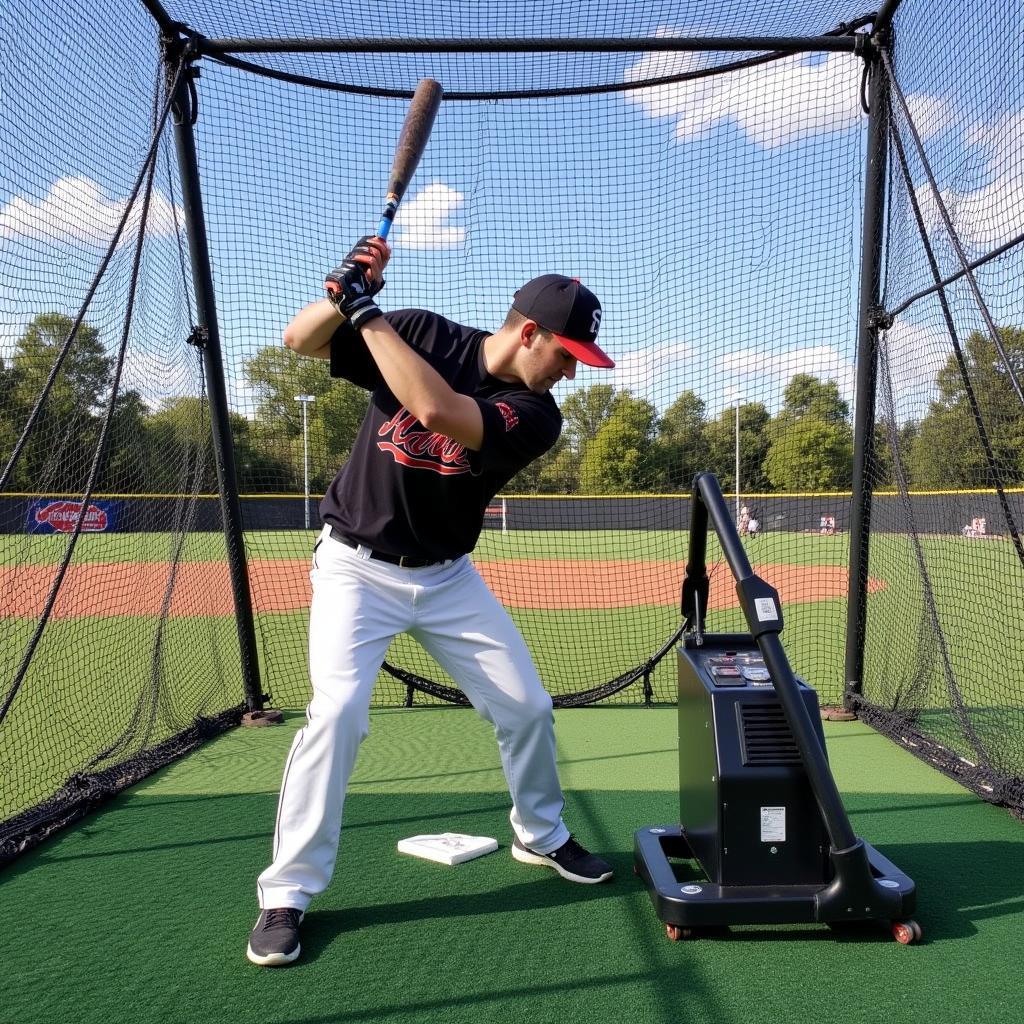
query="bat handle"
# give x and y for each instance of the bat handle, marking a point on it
(387, 218)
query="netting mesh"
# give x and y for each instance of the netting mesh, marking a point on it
(717, 215)
(945, 675)
(596, 187)
(111, 657)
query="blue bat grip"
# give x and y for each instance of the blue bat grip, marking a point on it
(387, 218)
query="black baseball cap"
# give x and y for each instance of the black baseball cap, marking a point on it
(569, 311)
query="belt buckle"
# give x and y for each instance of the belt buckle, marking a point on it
(401, 561)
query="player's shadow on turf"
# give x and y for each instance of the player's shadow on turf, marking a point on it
(323, 927)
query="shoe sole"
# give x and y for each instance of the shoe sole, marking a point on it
(528, 857)
(275, 959)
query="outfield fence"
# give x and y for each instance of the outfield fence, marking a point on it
(949, 513)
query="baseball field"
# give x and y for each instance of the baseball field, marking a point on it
(589, 614)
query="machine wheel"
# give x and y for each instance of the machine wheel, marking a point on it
(676, 933)
(906, 932)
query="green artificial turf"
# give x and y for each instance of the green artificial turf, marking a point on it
(140, 912)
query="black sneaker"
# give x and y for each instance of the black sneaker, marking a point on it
(274, 941)
(570, 860)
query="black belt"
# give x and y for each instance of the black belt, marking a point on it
(405, 561)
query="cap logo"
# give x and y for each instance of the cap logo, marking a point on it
(595, 321)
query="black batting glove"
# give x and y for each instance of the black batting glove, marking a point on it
(352, 285)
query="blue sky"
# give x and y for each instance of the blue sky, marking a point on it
(718, 221)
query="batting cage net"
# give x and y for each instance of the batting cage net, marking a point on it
(944, 644)
(178, 177)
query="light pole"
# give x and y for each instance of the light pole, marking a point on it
(305, 400)
(734, 394)
(737, 460)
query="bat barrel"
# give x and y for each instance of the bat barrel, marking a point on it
(419, 120)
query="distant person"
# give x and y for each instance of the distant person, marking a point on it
(754, 522)
(744, 521)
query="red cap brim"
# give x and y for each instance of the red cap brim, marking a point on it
(586, 352)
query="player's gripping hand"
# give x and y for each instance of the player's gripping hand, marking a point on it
(352, 285)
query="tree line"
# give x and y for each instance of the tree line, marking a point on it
(612, 442)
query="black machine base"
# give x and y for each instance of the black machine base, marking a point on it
(698, 903)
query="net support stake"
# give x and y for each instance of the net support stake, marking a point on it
(213, 363)
(867, 355)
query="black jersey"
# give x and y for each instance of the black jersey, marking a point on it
(406, 490)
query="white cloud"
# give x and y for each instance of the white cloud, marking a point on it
(914, 355)
(762, 376)
(656, 373)
(931, 115)
(774, 104)
(422, 220)
(75, 209)
(993, 214)
(644, 370)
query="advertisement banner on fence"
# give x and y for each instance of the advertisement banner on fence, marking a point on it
(58, 515)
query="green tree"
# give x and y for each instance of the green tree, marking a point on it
(58, 453)
(277, 375)
(584, 412)
(180, 435)
(948, 451)
(805, 395)
(884, 470)
(558, 470)
(9, 429)
(681, 448)
(618, 458)
(555, 472)
(130, 464)
(181, 432)
(810, 454)
(810, 440)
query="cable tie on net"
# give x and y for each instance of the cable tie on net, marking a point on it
(880, 317)
(199, 337)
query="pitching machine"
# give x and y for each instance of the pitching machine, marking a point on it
(759, 811)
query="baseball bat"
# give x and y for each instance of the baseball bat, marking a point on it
(415, 131)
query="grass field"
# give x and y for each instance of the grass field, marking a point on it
(84, 684)
(643, 545)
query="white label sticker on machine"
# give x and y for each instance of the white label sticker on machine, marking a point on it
(766, 610)
(773, 824)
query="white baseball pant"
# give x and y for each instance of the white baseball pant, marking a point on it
(359, 605)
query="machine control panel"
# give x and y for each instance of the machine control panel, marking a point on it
(740, 669)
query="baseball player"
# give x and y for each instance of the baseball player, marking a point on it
(455, 412)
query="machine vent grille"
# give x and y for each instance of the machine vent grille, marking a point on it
(765, 735)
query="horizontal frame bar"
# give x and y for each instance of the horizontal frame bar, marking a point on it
(728, 44)
(974, 265)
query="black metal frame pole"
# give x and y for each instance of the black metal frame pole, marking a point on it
(206, 314)
(871, 316)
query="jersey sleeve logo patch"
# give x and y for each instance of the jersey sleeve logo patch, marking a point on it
(508, 414)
